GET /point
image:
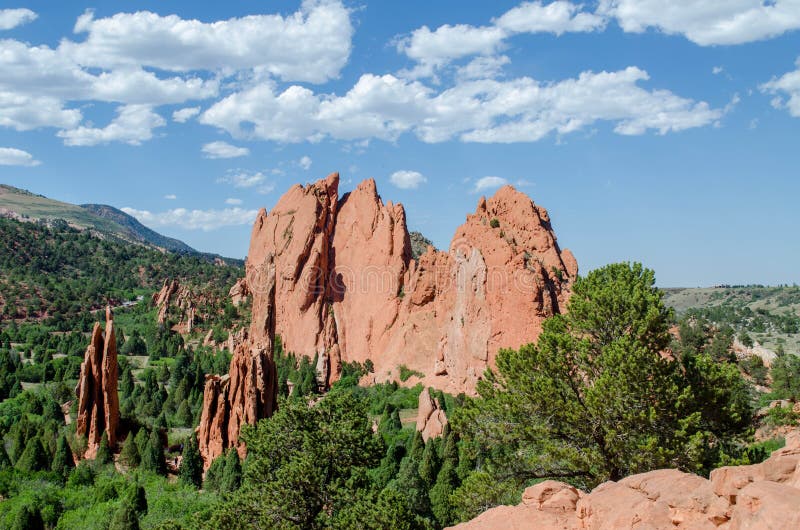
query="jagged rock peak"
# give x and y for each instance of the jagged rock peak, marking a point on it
(348, 289)
(98, 400)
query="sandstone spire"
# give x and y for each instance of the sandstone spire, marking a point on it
(98, 401)
(249, 391)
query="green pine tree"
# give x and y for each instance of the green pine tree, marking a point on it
(130, 451)
(232, 475)
(153, 455)
(191, 470)
(34, 458)
(63, 462)
(104, 455)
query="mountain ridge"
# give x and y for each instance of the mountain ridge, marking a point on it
(101, 219)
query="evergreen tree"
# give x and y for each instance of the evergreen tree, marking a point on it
(153, 454)
(191, 470)
(34, 458)
(130, 452)
(104, 455)
(232, 474)
(28, 518)
(183, 416)
(429, 465)
(214, 474)
(125, 518)
(63, 462)
(603, 359)
(446, 483)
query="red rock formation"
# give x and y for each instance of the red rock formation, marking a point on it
(239, 292)
(249, 391)
(98, 401)
(172, 293)
(348, 290)
(761, 496)
(431, 419)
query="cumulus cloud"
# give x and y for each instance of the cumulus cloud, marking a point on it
(223, 150)
(170, 197)
(432, 49)
(146, 59)
(133, 125)
(407, 180)
(10, 156)
(312, 44)
(717, 70)
(233, 202)
(488, 183)
(240, 178)
(707, 23)
(11, 18)
(482, 68)
(185, 114)
(487, 111)
(205, 220)
(787, 91)
(305, 162)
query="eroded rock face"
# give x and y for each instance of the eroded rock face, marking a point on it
(173, 294)
(239, 292)
(98, 400)
(249, 391)
(761, 496)
(347, 288)
(431, 419)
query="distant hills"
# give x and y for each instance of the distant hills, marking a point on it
(100, 219)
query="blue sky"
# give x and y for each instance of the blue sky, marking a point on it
(657, 131)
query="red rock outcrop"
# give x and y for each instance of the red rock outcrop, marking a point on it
(173, 294)
(760, 496)
(98, 401)
(249, 391)
(431, 419)
(347, 288)
(239, 292)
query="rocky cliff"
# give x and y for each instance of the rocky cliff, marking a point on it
(98, 401)
(335, 278)
(249, 391)
(761, 496)
(347, 288)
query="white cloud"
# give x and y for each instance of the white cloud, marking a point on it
(205, 220)
(787, 91)
(146, 59)
(24, 112)
(185, 114)
(305, 162)
(233, 202)
(717, 70)
(556, 17)
(312, 44)
(223, 150)
(432, 49)
(11, 18)
(133, 125)
(240, 178)
(487, 111)
(488, 183)
(482, 68)
(170, 197)
(407, 180)
(707, 22)
(10, 156)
